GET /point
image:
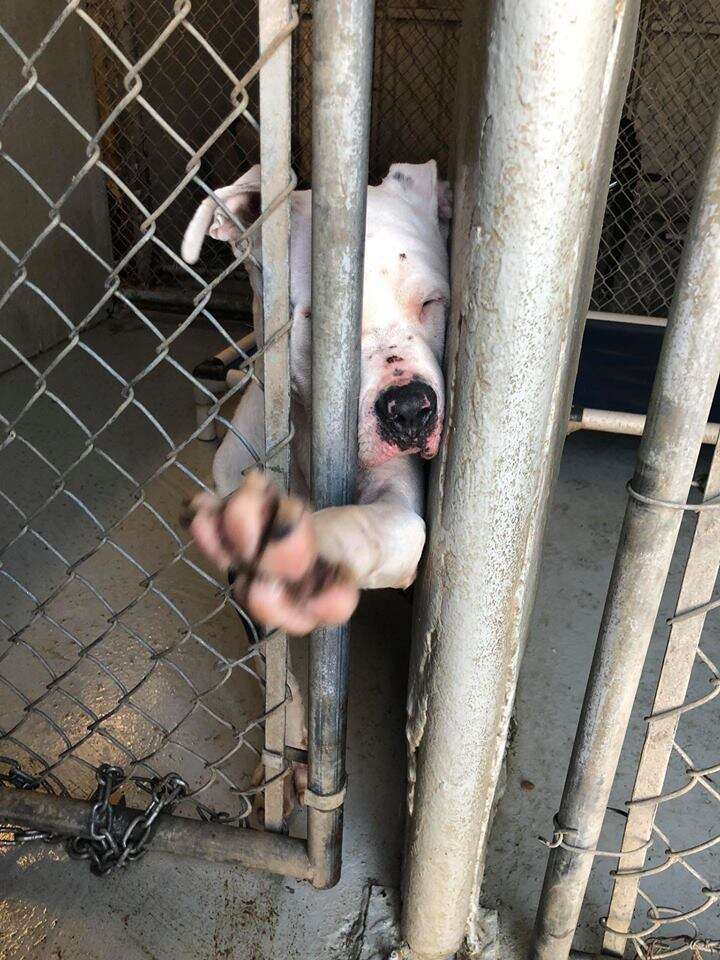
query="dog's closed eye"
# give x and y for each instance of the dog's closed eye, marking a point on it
(433, 308)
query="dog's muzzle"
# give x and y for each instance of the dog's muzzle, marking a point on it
(407, 415)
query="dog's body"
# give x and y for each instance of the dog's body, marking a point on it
(401, 405)
(298, 569)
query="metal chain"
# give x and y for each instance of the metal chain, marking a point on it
(111, 843)
(108, 846)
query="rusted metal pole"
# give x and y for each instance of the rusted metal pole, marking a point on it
(685, 382)
(541, 84)
(342, 69)
(259, 850)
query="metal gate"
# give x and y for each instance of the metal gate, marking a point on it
(123, 659)
(662, 840)
(660, 908)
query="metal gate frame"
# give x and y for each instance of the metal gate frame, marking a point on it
(343, 57)
(658, 498)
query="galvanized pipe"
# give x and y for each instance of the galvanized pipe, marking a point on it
(342, 69)
(617, 421)
(275, 125)
(255, 849)
(684, 385)
(532, 169)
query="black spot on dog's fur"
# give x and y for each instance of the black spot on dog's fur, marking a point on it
(403, 256)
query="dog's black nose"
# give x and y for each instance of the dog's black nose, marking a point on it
(406, 414)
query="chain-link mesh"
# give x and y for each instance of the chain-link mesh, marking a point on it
(117, 643)
(414, 71)
(189, 87)
(671, 96)
(668, 113)
(413, 89)
(666, 876)
(665, 898)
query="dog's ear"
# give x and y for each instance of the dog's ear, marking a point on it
(242, 200)
(418, 182)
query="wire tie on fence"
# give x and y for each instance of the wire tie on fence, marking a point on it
(558, 840)
(712, 504)
(694, 611)
(326, 802)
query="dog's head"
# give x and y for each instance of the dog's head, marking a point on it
(405, 298)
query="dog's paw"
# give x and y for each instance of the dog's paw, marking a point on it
(294, 787)
(268, 544)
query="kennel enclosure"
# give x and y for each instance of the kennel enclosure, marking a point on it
(119, 645)
(53, 737)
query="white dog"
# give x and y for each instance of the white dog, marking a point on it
(293, 568)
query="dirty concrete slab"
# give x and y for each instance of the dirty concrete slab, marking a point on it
(167, 908)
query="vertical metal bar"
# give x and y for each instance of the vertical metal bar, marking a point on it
(699, 578)
(342, 68)
(686, 379)
(275, 163)
(532, 161)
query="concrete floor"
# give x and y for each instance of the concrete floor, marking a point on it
(164, 907)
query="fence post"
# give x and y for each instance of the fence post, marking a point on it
(685, 382)
(342, 68)
(541, 84)
(273, 17)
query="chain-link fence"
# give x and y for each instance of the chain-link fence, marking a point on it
(191, 88)
(414, 71)
(663, 133)
(664, 898)
(118, 645)
(664, 877)
(413, 88)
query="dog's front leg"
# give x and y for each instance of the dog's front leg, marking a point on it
(381, 538)
(296, 569)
